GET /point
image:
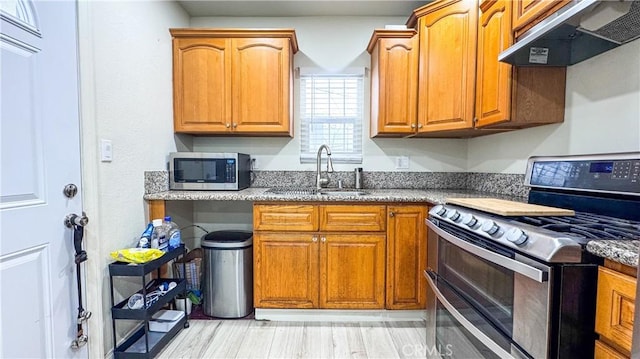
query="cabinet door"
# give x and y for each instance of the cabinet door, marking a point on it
(261, 76)
(352, 271)
(603, 351)
(406, 257)
(201, 85)
(527, 12)
(615, 307)
(394, 88)
(493, 83)
(447, 67)
(285, 270)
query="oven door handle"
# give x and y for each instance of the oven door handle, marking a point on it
(526, 270)
(488, 342)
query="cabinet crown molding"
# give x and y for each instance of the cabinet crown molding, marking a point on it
(229, 32)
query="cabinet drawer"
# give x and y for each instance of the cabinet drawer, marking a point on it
(353, 218)
(603, 351)
(288, 217)
(615, 307)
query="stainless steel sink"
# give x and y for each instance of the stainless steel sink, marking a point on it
(313, 191)
(294, 191)
(342, 192)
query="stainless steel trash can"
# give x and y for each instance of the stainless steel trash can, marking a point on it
(228, 274)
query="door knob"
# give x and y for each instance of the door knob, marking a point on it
(73, 219)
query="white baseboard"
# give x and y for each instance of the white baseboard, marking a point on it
(331, 315)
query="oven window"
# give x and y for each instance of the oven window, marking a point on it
(454, 341)
(487, 286)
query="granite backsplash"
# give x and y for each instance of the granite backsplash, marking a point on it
(500, 183)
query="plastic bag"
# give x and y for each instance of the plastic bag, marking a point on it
(136, 255)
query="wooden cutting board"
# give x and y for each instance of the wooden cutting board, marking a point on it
(510, 208)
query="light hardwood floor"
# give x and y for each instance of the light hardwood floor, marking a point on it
(249, 338)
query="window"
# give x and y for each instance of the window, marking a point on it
(331, 111)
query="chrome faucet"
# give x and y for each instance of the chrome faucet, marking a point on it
(323, 181)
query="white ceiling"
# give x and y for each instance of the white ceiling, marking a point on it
(285, 8)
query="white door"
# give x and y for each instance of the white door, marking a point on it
(40, 155)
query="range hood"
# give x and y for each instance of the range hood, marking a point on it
(576, 32)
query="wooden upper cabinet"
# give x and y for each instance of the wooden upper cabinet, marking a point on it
(261, 74)
(447, 32)
(202, 84)
(394, 82)
(510, 97)
(526, 13)
(233, 81)
(493, 82)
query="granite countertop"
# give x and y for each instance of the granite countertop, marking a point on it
(373, 195)
(625, 252)
(622, 251)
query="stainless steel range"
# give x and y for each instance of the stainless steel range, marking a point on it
(525, 287)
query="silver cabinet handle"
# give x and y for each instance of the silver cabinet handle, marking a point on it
(323, 239)
(466, 323)
(235, 125)
(314, 239)
(526, 270)
(413, 125)
(420, 126)
(228, 125)
(392, 214)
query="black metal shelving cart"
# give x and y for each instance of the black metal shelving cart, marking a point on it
(144, 343)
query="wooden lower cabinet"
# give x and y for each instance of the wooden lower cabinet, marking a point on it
(615, 311)
(352, 271)
(406, 257)
(285, 270)
(319, 270)
(603, 351)
(339, 256)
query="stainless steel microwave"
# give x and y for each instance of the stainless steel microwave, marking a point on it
(209, 171)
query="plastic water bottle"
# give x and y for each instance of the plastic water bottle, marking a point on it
(159, 236)
(173, 233)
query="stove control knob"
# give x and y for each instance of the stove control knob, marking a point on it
(469, 220)
(454, 215)
(490, 227)
(439, 210)
(517, 236)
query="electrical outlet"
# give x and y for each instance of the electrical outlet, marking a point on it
(402, 163)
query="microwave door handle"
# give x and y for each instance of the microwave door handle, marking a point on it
(495, 348)
(505, 262)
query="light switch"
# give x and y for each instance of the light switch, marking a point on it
(106, 151)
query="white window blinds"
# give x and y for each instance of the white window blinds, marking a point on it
(331, 111)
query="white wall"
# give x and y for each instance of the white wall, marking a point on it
(126, 86)
(602, 115)
(333, 43)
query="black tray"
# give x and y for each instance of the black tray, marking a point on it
(121, 311)
(127, 269)
(157, 341)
